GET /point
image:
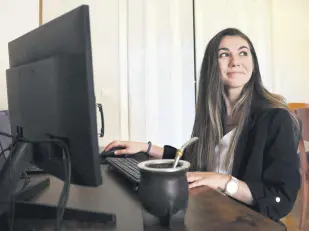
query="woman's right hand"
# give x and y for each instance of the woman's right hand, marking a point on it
(129, 147)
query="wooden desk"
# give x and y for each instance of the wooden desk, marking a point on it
(207, 210)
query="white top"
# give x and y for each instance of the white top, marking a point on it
(225, 142)
(306, 146)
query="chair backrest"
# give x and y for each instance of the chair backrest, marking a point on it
(303, 115)
(294, 106)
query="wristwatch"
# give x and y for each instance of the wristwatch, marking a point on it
(231, 187)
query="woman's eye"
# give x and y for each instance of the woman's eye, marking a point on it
(243, 53)
(223, 55)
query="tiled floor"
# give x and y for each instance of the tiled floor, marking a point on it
(292, 220)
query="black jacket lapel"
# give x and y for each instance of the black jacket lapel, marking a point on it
(241, 147)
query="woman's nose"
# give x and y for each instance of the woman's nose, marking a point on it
(235, 62)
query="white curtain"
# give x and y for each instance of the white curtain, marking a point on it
(160, 70)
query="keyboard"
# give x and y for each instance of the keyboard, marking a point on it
(125, 166)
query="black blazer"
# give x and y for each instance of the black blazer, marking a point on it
(266, 160)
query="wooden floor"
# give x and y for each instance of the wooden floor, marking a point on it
(292, 220)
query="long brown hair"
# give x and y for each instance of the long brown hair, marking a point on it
(210, 108)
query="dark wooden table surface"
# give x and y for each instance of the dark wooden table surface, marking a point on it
(208, 210)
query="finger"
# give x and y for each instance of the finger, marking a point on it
(122, 152)
(115, 143)
(196, 184)
(109, 146)
(195, 173)
(193, 178)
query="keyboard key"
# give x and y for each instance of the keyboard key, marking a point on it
(126, 166)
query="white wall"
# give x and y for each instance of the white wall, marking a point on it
(17, 17)
(290, 24)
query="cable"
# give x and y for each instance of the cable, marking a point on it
(24, 174)
(66, 187)
(67, 178)
(67, 175)
(10, 175)
(7, 149)
(11, 185)
(2, 151)
(7, 135)
(11, 145)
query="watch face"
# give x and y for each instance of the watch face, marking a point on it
(232, 187)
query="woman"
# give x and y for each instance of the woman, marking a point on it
(256, 160)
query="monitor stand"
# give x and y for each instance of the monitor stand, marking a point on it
(20, 158)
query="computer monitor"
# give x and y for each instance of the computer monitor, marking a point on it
(51, 96)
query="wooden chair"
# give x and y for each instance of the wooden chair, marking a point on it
(303, 115)
(294, 106)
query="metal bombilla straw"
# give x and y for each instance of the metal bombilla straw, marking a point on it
(180, 151)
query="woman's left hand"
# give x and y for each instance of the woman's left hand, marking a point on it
(218, 181)
(211, 179)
